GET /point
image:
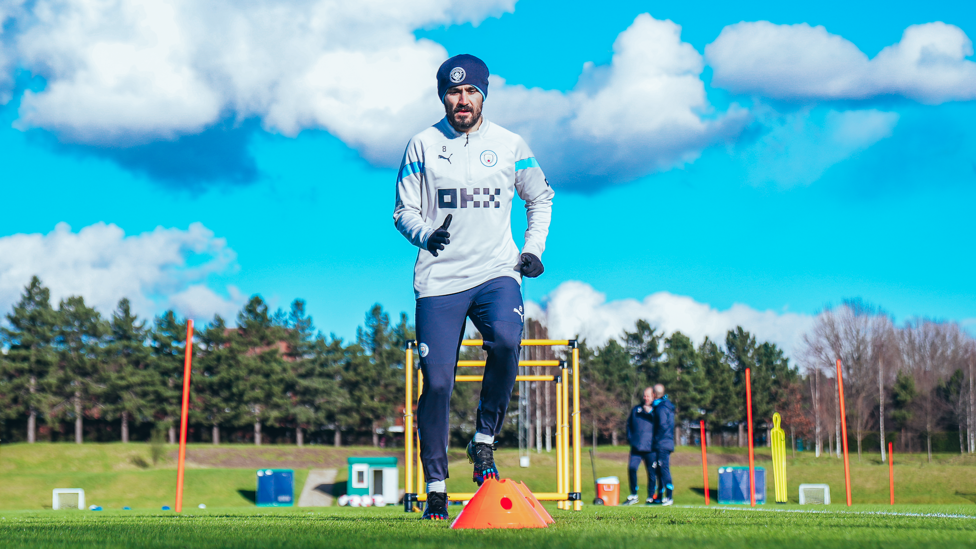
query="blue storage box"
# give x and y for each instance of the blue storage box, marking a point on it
(276, 488)
(733, 485)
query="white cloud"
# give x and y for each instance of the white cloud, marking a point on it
(799, 147)
(155, 270)
(575, 308)
(644, 112)
(125, 72)
(121, 72)
(800, 62)
(200, 302)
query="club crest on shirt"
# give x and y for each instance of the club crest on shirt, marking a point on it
(489, 158)
(424, 350)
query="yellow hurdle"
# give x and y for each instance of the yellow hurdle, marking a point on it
(778, 444)
(567, 435)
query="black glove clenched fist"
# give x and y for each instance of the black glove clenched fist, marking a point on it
(440, 237)
(530, 266)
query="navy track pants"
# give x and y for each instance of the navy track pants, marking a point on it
(495, 308)
(649, 459)
(664, 471)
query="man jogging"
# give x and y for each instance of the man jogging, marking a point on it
(454, 200)
(640, 436)
(663, 414)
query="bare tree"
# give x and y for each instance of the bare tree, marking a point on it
(821, 348)
(862, 336)
(838, 444)
(884, 354)
(972, 399)
(815, 405)
(929, 349)
(855, 324)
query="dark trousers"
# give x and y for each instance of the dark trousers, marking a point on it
(636, 458)
(495, 308)
(664, 471)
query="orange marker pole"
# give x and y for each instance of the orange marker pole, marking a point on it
(752, 457)
(701, 424)
(891, 473)
(843, 431)
(183, 414)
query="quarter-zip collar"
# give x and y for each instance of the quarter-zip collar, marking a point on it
(479, 133)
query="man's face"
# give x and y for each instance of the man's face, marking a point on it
(648, 396)
(463, 107)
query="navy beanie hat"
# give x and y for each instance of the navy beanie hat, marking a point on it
(462, 70)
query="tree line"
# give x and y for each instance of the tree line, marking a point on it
(68, 373)
(66, 366)
(913, 382)
(912, 385)
(705, 382)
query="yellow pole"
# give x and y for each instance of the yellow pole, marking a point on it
(566, 455)
(578, 505)
(559, 442)
(481, 363)
(517, 378)
(408, 423)
(525, 342)
(421, 487)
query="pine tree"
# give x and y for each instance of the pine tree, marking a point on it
(31, 355)
(903, 401)
(72, 383)
(263, 379)
(953, 395)
(740, 349)
(771, 381)
(216, 390)
(127, 376)
(374, 379)
(769, 371)
(168, 343)
(610, 378)
(644, 347)
(683, 376)
(312, 361)
(722, 406)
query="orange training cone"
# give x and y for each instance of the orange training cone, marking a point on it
(535, 503)
(498, 504)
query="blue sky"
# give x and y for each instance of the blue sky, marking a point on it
(790, 197)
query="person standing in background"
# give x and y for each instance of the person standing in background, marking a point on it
(663, 446)
(640, 436)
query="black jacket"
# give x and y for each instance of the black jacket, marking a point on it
(640, 430)
(663, 414)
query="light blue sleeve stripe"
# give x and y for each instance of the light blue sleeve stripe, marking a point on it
(530, 162)
(410, 169)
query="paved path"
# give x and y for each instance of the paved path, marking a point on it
(318, 488)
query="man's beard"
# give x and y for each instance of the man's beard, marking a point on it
(462, 126)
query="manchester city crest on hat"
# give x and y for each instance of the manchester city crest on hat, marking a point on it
(457, 74)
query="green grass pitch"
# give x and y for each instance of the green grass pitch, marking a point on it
(935, 505)
(592, 528)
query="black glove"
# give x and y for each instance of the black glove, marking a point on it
(531, 266)
(440, 237)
